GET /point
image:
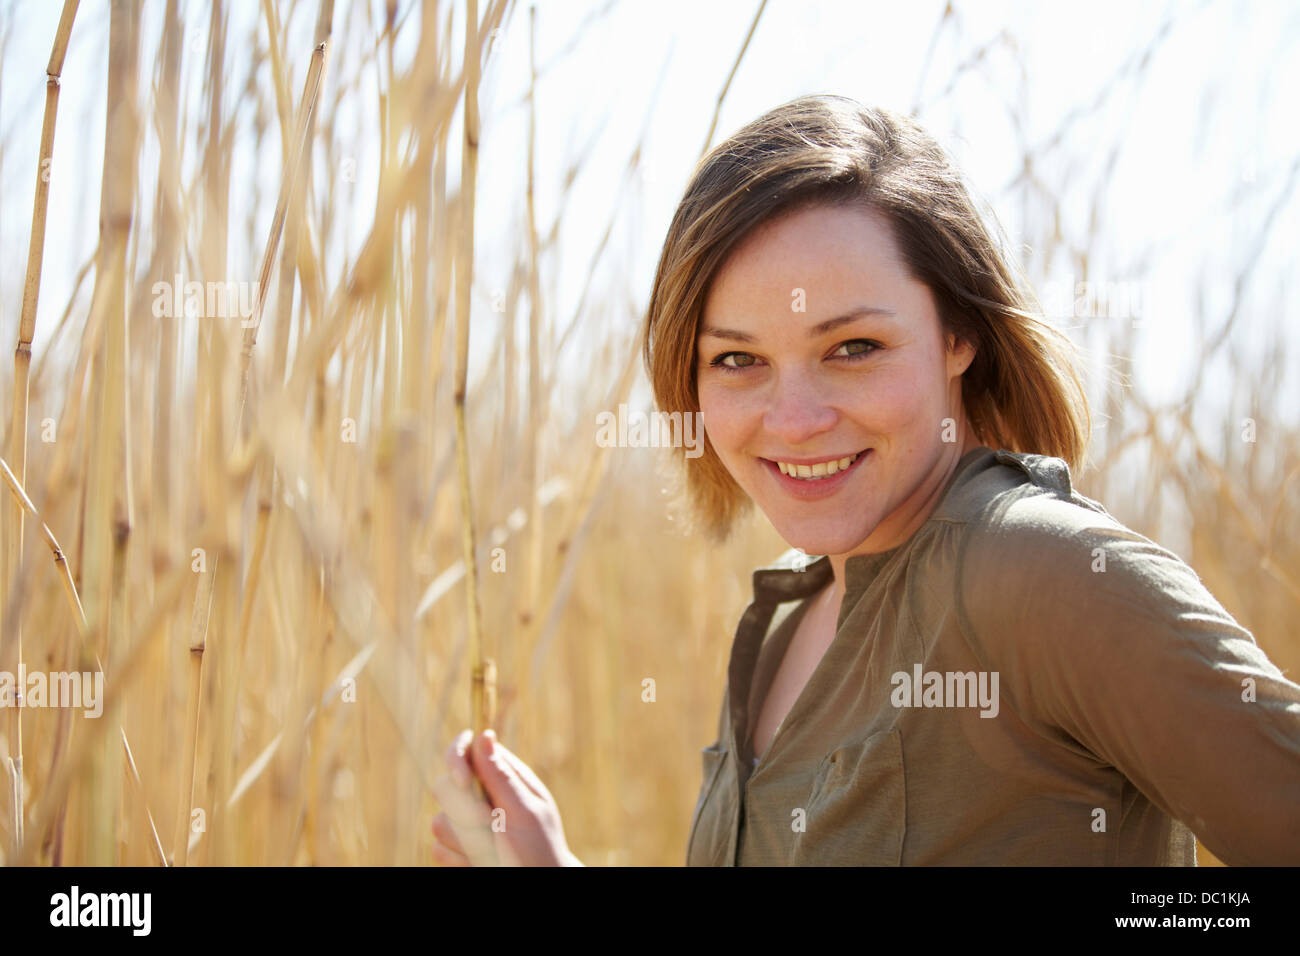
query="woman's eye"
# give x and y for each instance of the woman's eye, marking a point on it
(857, 348)
(739, 360)
(852, 350)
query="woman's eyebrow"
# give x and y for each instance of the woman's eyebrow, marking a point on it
(860, 312)
(821, 328)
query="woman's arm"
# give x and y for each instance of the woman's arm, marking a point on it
(1105, 635)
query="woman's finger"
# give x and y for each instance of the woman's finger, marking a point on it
(504, 786)
(458, 763)
(530, 779)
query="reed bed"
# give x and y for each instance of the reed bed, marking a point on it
(308, 544)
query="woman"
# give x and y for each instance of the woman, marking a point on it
(982, 666)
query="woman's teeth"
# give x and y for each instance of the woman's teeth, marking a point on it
(823, 469)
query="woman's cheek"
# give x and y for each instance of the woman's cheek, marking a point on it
(726, 416)
(730, 431)
(899, 401)
(717, 427)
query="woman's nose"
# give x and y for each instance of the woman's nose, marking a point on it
(798, 412)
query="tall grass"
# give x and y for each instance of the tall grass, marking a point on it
(300, 546)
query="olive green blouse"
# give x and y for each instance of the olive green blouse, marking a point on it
(1023, 681)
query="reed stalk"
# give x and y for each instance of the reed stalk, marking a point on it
(528, 619)
(482, 683)
(108, 508)
(198, 644)
(167, 224)
(11, 520)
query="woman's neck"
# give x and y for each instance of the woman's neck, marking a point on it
(905, 521)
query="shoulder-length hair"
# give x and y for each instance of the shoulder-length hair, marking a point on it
(1021, 392)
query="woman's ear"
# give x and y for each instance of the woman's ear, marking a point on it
(961, 353)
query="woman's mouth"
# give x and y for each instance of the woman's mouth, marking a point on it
(809, 479)
(822, 469)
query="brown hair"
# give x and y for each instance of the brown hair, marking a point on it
(1021, 391)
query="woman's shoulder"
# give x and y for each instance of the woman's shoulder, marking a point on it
(992, 481)
(1038, 554)
(1022, 511)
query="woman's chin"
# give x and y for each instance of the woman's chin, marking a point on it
(830, 543)
(824, 535)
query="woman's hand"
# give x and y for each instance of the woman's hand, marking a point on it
(521, 827)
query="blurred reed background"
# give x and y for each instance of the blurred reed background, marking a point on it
(258, 531)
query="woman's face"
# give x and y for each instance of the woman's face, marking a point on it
(818, 350)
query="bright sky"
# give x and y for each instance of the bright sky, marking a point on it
(1182, 154)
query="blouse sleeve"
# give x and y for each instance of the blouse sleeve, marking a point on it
(1104, 639)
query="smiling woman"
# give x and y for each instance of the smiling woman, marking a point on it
(875, 376)
(980, 665)
(873, 387)
(834, 217)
